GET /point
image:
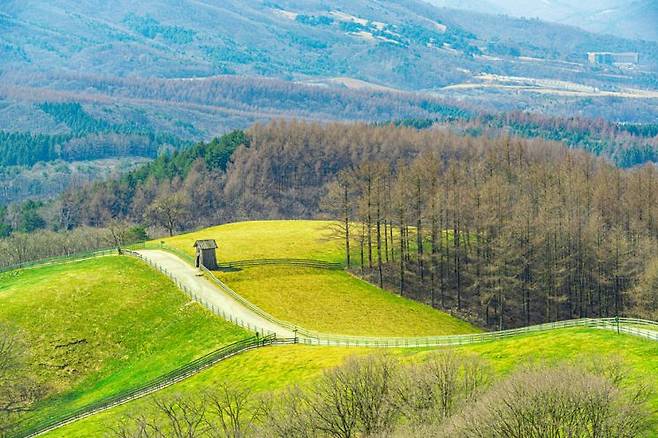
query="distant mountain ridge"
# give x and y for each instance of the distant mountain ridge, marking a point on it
(636, 19)
(404, 44)
(90, 79)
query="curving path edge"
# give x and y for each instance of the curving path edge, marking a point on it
(192, 281)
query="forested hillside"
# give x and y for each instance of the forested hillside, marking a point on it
(504, 230)
(87, 138)
(83, 81)
(624, 144)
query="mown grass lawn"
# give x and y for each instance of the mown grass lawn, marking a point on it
(101, 326)
(336, 302)
(273, 368)
(267, 240)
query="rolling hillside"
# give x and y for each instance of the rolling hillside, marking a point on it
(102, 326)
(327, 301)
(274, 369)
(108, 324)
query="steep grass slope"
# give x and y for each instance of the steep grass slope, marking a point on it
(275, 368)
(99, 327)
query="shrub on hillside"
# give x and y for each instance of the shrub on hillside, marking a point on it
(563, 401)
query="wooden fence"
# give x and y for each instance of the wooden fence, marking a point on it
(157, 384)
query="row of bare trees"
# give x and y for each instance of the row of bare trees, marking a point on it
(447, 395)
(503, 237)
(22, 248)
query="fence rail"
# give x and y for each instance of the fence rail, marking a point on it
(307, 263)
(59, 259)
(310, 337)
(157, 384)
(623, 325)
(227, 290)
(192, 294)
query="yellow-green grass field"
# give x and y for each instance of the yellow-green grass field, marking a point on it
(281, 239)
(268, 240)
(336, 302)
(316, 299)
(274, 368)
(102, 326)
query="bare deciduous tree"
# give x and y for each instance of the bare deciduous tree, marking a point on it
(434, 390)
(168, 211)
(290, 416)
(233, 411)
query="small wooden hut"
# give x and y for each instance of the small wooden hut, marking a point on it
(205, 254)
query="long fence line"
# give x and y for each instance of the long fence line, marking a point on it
(306, 263)
(164, 381)
(623, 325)
(310, 337)
(60, 259)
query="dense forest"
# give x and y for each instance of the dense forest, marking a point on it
(502, 230)
(503, 236)
(88, 138)
(626, 145)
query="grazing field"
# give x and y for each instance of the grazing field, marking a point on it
(268, 239)
(101, 326)
(273, 368)
(336, 302)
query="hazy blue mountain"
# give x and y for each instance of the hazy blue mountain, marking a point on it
(405, 44)
(637, 19)
(165, 63)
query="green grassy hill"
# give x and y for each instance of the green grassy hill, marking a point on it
(328, 301)
(336, 302)
(274, 368)
(101, 326)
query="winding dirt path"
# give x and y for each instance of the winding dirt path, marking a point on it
(210, 295)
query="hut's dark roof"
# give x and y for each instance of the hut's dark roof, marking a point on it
(205, 244)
